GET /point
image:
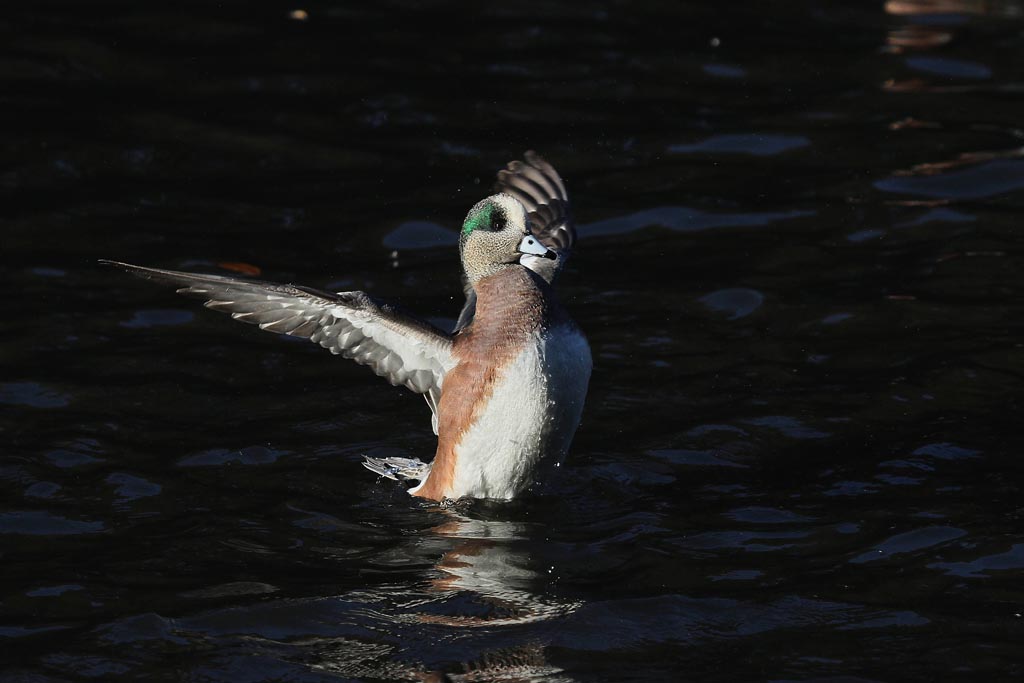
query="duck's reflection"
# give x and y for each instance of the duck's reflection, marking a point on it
(483, 612)
(489, 560)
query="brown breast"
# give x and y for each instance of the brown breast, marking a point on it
(510, 309)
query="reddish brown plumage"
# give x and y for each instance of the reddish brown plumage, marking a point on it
(510, 308)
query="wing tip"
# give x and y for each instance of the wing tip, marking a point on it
(533, 157)
(116, 264)
(140, 271)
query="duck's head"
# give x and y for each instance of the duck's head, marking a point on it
(495, 235)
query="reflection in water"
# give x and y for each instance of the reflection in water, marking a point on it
(753, 144)
(918, 37)
(475, 610)
(969, 175)
(482, 581)
(923, 32)
(488, 561)
(1003, 8)
(965, 159)
(946, 181)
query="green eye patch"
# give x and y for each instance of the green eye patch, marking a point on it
(481, 219)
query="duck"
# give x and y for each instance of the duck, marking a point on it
(506, 387)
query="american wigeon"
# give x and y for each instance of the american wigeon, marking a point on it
(506, 388)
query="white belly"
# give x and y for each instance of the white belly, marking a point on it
(532, 414)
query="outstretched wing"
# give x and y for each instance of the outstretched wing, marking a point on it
(404, 350)
(536, 184)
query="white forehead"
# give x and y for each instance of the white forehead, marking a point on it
(513, 209)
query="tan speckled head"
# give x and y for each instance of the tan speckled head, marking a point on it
(493, 236)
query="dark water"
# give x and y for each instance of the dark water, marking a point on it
(800, 270)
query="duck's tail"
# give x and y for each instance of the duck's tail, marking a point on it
(399, 469)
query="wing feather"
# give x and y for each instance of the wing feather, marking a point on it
(404, 350)
(535, 183)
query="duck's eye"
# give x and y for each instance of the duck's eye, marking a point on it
(497, 223)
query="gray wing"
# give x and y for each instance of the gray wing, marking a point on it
(535, 183)
(469, 308)
(402, 349)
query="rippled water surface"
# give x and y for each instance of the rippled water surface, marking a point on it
(799, 269)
